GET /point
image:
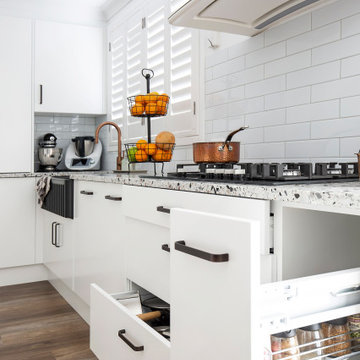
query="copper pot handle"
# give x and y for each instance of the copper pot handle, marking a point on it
(229, 137)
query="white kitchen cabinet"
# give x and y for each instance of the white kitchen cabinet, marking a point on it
(147, 219)
(110, 319)
(100, 234)
(15, 94)
(58, 249)
(215, 277)
(17, 222)
(69, 68)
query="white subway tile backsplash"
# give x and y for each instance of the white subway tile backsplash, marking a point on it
(217, 98)
(216, 112)
(336, 89)
(288, 64)
(288, 98)
(350, 106)
(220, 125)
(264, 87)
(251, 136)
(350, 66)
(216, 85)
(313, 75)
(336, 50)
(208, 74)
(313, 148)
(291, 132)
(312, 112)
(229, 67)
(246, 76)
(265, 55)
(335, 128)
(247, 46)
(236, 94)
(208, 127)
(246, 106)
(289, 29)
(313, 38)
(334, 12)
(265, 151)
(266, 118)
(349, 146)
(350, 26)
(236, 122)
(218, 57)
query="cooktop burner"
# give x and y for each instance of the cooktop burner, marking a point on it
(267, 173)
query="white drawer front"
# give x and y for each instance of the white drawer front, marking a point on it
(147, 264)
(108, 317)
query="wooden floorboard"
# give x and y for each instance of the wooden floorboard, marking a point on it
(36, 323)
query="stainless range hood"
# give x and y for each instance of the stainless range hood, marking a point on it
(245, 17)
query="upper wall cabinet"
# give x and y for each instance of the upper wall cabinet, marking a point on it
(69, 68)
(15, 94)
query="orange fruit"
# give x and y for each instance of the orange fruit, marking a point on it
(164, 97)
(151, 108)
(137, 109)
(141, 144)
(139, 99)
(150, 149)
(161, 107)
(162, 155)
(141, 155)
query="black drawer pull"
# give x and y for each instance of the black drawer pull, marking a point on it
(83, 192)
(165, 247)
(57, 235)
(181, 246)
(53, 233)
(41, 94)
(127, 342)
(163, 209)
(113, 198)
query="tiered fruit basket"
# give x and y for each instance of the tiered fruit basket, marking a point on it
(148, 106)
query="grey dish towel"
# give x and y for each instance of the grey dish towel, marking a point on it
(42, 188)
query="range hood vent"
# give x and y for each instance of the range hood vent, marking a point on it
(245, 17)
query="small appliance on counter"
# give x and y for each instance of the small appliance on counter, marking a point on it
(83, 154)
(49, 155)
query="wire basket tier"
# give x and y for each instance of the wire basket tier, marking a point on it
(145, 152)
(148, 105)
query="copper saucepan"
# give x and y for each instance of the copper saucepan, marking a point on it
(218, 152)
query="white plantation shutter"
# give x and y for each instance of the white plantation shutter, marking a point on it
(149, 41)
(117, 62)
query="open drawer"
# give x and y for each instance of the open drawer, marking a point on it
(305, 301)
(116, 333)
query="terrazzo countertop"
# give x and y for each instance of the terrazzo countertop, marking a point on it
(340, 195)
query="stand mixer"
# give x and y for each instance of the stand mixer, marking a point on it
(83, 154)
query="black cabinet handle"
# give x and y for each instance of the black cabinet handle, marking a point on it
(83, 192)
(165, 247)
(53, 233)
(56, 235)
(127, 342)
(113, 198)
(163, 209)
(181, 246)
(41, 94)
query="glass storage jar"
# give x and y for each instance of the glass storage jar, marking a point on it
(341, 342)
(354, 327)
(285, 345)
(311, 335)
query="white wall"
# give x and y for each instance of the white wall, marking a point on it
(297, 86)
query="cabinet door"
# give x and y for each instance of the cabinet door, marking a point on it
(17, 222)
(68, 68)
(15, 95)
(58, 247)
(100, 232)
(212, 300)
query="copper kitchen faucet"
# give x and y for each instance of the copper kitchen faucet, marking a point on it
(118, 159)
